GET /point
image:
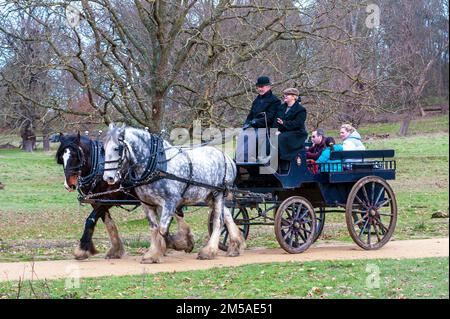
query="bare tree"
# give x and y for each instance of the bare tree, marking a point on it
(134, 61)
(166, 63)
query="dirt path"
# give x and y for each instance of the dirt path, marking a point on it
(177, 261)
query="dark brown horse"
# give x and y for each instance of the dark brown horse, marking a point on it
(82, 159)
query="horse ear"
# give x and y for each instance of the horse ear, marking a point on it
(111, 126)
(78, 137)
(61, 136)
(123, 126)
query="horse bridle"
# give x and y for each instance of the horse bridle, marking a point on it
(149, 170)
(81, 159)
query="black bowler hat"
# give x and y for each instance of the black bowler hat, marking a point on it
(262, 81)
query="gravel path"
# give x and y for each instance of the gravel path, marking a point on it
(179, 261)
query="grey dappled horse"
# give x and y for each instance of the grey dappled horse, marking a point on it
(130, 147)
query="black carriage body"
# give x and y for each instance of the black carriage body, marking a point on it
(353, 182)
(328, 187)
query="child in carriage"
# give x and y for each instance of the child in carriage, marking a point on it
(324, 158)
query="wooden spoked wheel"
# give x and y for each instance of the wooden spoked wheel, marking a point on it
(371, 212)
(295, 224)
(320, 222)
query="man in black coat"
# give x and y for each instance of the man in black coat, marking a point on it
(261, 116)
(264, 107)
(290, 121)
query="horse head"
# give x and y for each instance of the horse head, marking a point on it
(131, 154)
(73, 153)
(115, 154)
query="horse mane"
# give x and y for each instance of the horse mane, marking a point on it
(68, 141)
(113, 134)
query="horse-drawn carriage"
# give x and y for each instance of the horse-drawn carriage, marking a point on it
(296, 201)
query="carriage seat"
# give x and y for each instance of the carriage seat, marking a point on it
(358, 160)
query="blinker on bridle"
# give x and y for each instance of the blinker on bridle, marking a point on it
(120, 150)
(81, 159)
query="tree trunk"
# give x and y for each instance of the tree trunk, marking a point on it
(46, 137)
(405, 126)
(157, 113)
(28, 140)
(46, 142)
(407, 120)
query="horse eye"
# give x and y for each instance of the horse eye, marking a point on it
(116, 149)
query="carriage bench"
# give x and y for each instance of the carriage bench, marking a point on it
(357, 164)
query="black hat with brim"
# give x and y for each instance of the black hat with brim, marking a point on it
(263, 81)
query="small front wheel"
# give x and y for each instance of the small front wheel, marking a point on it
(295, 224)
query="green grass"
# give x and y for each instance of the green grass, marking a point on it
(35, 207)
(417, 127)
(408, 278)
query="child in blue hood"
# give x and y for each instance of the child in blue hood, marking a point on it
(332, 165)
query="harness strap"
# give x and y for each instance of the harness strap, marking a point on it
(190, 174)
(97, 167)
(224, 181)
(150, 168)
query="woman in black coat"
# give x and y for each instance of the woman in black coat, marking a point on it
(290, 122)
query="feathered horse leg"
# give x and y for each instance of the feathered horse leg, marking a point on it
(212, 247)
(183, 239)
(117, 250)
(86, 247)
(237, 241)
(157, 242)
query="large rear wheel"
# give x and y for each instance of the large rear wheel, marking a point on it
(371, 212)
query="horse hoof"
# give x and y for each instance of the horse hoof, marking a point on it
(236, 248)
(205, 255)
(150, 261)
(233, 253)
(115, 253)
(80, 254)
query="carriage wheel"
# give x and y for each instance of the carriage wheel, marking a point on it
(320, 222)
(371, 212)
(295, 224)
(240, 217)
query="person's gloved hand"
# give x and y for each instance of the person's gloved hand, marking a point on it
(253, 123)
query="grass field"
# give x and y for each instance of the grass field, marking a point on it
(393, 279)
(39, 219)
